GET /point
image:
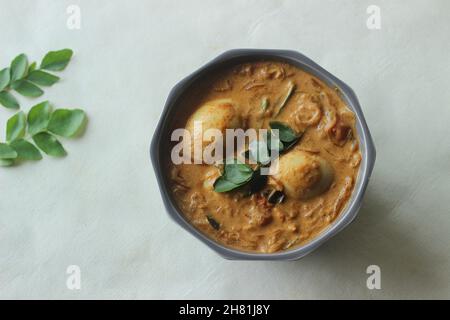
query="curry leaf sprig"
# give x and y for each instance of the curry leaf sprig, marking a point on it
(41, 126)
(26, 79)
(235, 174)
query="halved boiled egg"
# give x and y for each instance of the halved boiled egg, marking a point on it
(304, 175)
(218, 114)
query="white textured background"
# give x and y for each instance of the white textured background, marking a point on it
(99, 208)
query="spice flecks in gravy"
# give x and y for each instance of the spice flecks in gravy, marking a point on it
(316, 176)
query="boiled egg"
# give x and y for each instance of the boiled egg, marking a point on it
(303, 175)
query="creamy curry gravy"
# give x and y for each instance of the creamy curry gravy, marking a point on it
(329, 142)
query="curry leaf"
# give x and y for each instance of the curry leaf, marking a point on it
(19, 67)
(28, 89)
(32, 67)
(15, 127)
(66, 123)
(237, 173)
(42, 78)
(288, 145)
(14, 84)
(8, 100)
(223, 185)
(6, 152)
(274, 143)
(49, 144)
(285, 133)
(4, 78)
(6, 162)
(38, 117)
(56, 60)
(40, 123)
(25, 150)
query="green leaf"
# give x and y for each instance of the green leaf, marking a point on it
(15, 127)
(38, 117)
(56, 60)
(285, 133)
(42, 78)
(288, 145)
(223, 185)
(237, 173)
(6, 162)
(26, 150)
(66, 123)
(15, 84)
(19, 67)
(32, 67)
(8, 100)
(49, 144)
(6, 152)
(28, 89)
(4, 78)
(272, 142)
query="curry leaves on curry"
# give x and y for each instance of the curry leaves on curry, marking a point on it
(287, 136)
(237, 174)
(261, 150)
(26, 79)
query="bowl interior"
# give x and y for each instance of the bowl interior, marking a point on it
(172, 114)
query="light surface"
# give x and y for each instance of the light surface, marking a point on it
(100, 209)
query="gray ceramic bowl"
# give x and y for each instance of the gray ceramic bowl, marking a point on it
(162, 134)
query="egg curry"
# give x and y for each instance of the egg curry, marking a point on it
(317, 159)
